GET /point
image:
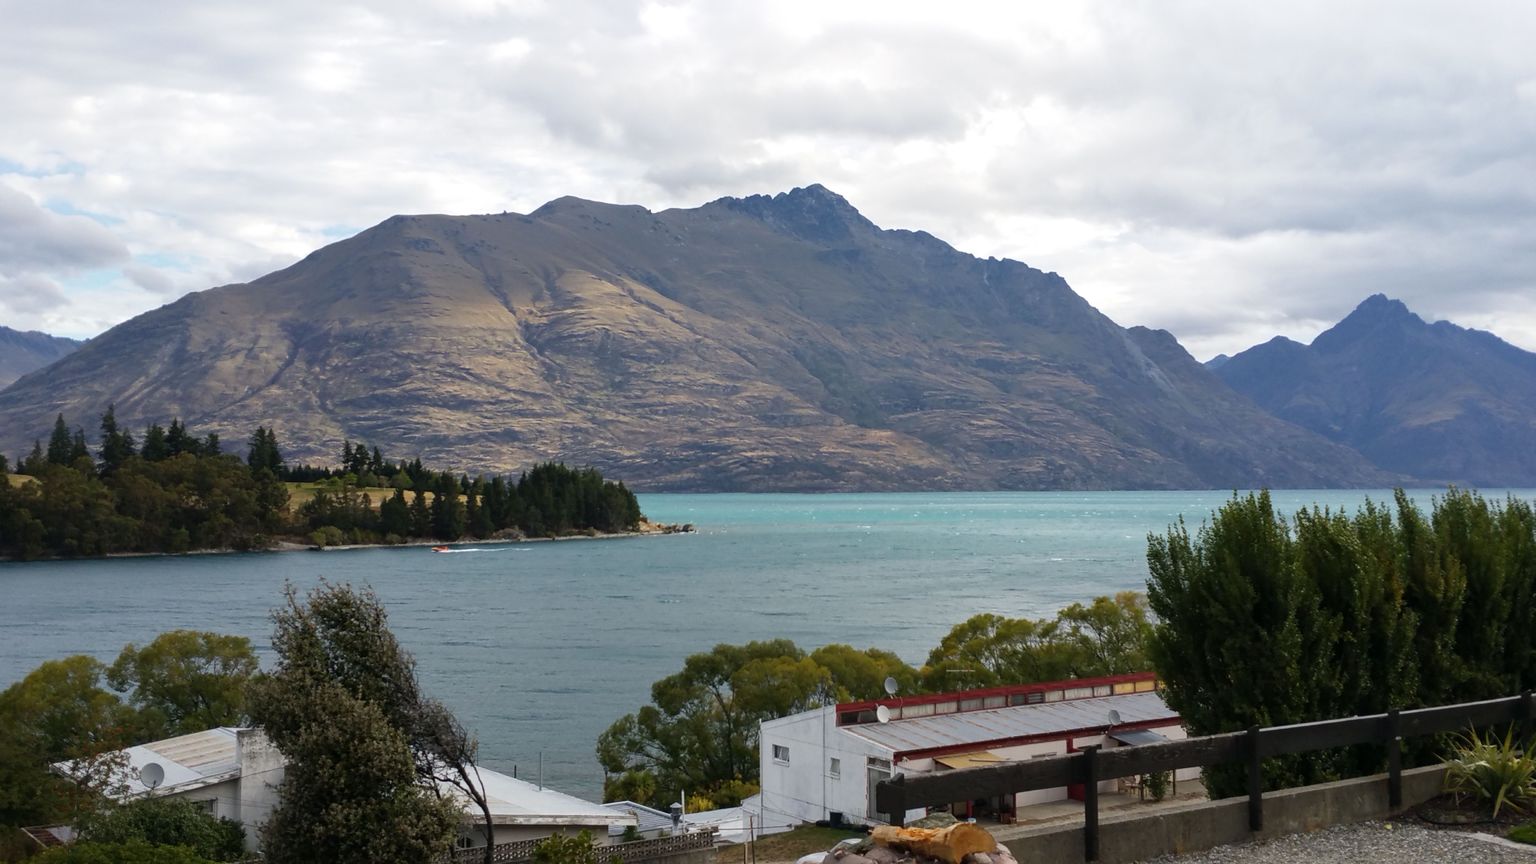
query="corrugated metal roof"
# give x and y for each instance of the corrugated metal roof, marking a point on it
(650, 819)
(201, 757)
(514, 801)
(1019, 721)
(978, 759)
(1137, 736)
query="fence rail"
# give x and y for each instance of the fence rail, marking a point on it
(1092, 765)
(634, 851)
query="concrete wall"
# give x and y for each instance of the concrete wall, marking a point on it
(225, 797)
(1206, 824)
(261, 772)
(804, 790)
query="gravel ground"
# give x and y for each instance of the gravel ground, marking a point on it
(1365, 843)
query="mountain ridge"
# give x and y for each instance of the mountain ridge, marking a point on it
(23, 351)
(1435, 400)
(767, 342)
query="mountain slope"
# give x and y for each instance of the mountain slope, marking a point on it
(23, 351)
(1437, 401)
(779, 342)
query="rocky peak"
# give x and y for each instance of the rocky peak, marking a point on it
(1379, 314)
(812, 212)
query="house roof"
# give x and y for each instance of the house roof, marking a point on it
(198, 759)
(979, 728)
(650, 819)
(518, 802)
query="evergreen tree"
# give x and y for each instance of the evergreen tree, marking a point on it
(59, 442)
(177, 441)
(155, 448)
(78, 449)
(34, 461)
(210, 445)
(376, 462)
(421, 516)
(116, 443)
(264, 454)
(395, 515)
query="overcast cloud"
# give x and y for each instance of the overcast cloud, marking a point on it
(1225, 171)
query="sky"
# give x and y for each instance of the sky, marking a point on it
(1226, 171)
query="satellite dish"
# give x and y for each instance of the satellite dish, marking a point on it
(1114, 717)
(890, 686)
(883, 714)
(152, 775)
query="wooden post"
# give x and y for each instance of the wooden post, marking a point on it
(1394, 760)
(1091, 803)
(1527, 717)
(1255, 782)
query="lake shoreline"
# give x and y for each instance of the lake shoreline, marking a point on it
(288, 544)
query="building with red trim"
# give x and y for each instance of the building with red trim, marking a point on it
(827, 761)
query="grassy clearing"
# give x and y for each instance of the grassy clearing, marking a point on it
(20, 479)
(298, 493)
(788, 846)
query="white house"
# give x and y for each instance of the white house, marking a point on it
(824, 763)
(235, 773)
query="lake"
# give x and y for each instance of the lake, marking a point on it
(538, 647)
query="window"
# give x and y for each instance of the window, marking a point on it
(834, 767)
(208, 805)
(781, 754)
(464, 841)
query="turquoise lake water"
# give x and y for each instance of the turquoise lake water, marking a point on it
(539, 647)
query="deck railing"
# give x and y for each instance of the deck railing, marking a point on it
(1091, 765)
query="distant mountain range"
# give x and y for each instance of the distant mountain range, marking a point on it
(769, 342)
(23, 351)
(1435, 401)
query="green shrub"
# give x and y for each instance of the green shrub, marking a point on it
(1156, 785)
(132, 852)
(1524, 833)
(167, 822)
(1491, 771)
(566, 849)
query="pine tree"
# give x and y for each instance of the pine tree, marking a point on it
(116, 443)
(78, 449)
(59, 442)
(177, 441)
(421, 517)
(264, 453)
(155, 448)
(210, 445)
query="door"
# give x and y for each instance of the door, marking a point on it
(878, 771)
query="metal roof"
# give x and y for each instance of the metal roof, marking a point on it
(650, 819)
(1137, 736)
(518, 802)
(1018, 721)
(198, 759)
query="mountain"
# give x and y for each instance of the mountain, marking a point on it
(1436, 401)
(23, 351)
(768, 342)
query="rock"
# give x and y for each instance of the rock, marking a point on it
(950, 844)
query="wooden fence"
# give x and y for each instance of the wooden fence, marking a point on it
(1091, 765)
(628, 853)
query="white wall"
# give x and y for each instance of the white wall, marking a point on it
(261, 771)
(803, 790)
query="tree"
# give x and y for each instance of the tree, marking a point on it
(365, 747)
(166, 822)
(59, 443)
(59, 713)
(186, 681)
(1110, 634)
(155, 447)
(264, 453)
(116, 443)
(700, 732)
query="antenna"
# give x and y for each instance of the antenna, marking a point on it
(152, 775)
(882, 713)
(890, 686)
(1114, 717)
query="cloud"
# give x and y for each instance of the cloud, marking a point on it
(1226, 173)
(33, 238)
(30, 295)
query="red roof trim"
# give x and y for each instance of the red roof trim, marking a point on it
(952, 749)
(1006, 690)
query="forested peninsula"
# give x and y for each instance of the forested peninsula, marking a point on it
(173, 491)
